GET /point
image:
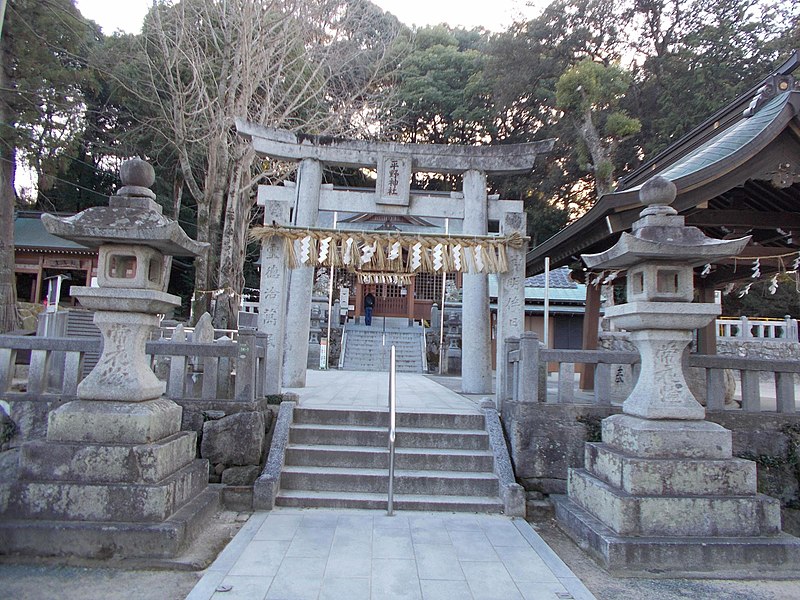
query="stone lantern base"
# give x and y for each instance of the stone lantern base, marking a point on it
(112, 479)
(668, 497)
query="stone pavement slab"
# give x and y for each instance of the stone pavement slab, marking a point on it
(370, 389)
(320, 554)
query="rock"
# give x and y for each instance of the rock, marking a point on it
(237, 439)
(696, 378)
(219, 468)
(203, 330)
(213, 415)
(241, 475)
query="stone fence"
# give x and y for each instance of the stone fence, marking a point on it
(525, 376)
(757, 329)
(203, 373)
(547, 429)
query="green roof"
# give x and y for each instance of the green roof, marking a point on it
(29, 232)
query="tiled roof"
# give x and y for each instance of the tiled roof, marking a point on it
(559, 278)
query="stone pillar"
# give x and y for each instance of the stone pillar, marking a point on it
(298, 308)
(272, 300)
(476, 366)
(510, 295)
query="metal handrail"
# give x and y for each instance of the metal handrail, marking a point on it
(392, 427)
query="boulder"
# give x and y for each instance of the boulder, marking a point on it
(237, 439)
(241, 475)
(696, 378)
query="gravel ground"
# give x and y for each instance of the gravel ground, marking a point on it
(606, 587)
(62, 579)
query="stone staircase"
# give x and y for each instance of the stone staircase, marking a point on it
(364, 348)
(339, 458)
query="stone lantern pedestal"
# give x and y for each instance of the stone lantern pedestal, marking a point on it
(662, 492)
(115, 476)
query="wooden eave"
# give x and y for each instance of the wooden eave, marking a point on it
(723, 175)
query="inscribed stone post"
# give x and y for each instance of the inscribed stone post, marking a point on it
(476, 367)
(272, 301)
(510, 295)
(298, 309)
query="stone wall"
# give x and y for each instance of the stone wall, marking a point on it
(759, 349)
(545, 440)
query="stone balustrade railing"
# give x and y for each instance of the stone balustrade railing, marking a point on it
(222, 370)
(526, 376)
(758, 329)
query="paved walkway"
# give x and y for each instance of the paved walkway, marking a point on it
(370, 389)
(327, 554)
(321, 554)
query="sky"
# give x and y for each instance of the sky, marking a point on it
(495, 15)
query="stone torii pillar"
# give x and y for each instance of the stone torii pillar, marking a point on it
(272, 300)
(301, 280)
(510, 294)
(476, 368)
(395, 164)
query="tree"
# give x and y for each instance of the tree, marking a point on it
(756, 300)
(522, 69)
(43, 47)
(441, 92)
(320, 66)
(589, 93)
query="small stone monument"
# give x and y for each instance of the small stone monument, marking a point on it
(662, 491)
(115, 475)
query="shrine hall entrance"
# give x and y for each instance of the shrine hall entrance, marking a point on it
(412, 297)
(390, 300)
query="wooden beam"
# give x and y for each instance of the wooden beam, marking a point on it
(591, 321)
(753, 219)
(707, 336)
(753, 252)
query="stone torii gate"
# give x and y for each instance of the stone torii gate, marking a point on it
(285, 302)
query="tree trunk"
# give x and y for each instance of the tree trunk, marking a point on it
(8, 292)
(209, 216)
(603, 167)
(232, 252)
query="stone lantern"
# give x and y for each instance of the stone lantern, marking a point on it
(134, 239)
(660, 255)
(662, 491)
(115, 475)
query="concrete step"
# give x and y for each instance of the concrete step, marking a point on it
(407, 437)
(298, 498)
(383, 368)
(447, 483)
(325, 416)
(367, 349)
(378, 458)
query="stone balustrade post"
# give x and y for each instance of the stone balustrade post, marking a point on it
(744, 328)
(510, 369)
(529, 367)
(245, 388)
(790, 329)
(8, 358)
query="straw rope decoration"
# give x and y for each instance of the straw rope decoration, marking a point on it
(376, 251)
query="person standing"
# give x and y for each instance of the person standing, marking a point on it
(369, 303)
